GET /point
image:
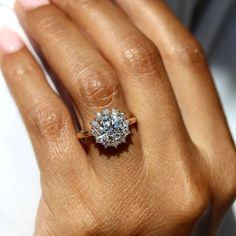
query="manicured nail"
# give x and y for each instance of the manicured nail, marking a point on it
(31, 4)
(9, 41)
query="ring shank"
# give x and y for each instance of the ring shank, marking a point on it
(86, 134)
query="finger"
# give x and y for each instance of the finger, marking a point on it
(138, 64)
(51, 130)
(187, 68)
(85, 74)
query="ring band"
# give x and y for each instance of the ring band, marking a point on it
(110, 128)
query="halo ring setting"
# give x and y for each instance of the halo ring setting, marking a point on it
(110, 127)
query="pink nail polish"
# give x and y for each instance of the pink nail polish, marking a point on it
(9, 41)
(31, 4)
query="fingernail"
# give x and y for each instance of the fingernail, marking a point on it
(32, 4)
(10, 42)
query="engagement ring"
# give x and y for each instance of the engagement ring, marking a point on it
(110, 127)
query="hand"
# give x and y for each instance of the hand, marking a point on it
(179, 164)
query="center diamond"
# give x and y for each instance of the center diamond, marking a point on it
(110, 127)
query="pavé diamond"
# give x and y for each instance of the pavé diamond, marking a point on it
(110, 127)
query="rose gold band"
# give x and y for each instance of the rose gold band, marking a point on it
(86, 134)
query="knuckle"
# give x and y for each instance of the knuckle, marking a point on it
(228, 194)
(194, 210)
(70, 5)
(21, 70)
(47, 119)
(139, 54)
(81, 2)
(227, 189)
(187, 52)
(49, 21)
(197, 205)
(194, 203)
(97, 87)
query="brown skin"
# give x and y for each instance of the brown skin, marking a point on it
(180, 159)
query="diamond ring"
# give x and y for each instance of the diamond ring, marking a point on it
(110, 127)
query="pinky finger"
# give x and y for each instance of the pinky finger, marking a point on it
(45, 115)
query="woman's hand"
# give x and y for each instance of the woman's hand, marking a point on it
(179, 164)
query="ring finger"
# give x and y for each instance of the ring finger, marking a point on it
(138, 63)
